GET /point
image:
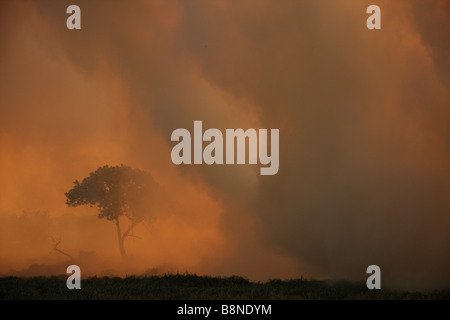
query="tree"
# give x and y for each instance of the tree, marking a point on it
(119, 191)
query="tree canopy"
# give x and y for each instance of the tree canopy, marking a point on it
(116, 191)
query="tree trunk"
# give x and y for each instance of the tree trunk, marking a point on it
(120, 238)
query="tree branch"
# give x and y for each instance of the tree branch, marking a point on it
(135, 222)
(132, 235)
(57, 242)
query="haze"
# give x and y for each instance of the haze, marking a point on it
(364, 122)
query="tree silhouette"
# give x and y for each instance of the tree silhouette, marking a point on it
(116, 191)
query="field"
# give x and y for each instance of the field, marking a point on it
(196, 287)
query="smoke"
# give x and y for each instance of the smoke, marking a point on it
(64, 114)
(432, 23)
(365, 134)
(363, 118)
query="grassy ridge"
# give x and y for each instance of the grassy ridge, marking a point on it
(196, 287)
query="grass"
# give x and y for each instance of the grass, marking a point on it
(180, 287)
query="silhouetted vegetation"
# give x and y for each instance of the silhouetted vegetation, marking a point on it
(116, 191)
(196, 287)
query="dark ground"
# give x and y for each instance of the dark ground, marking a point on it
(196, 287)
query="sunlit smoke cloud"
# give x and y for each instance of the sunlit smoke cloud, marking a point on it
(363, 118)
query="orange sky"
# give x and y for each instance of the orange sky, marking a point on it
(364, 134)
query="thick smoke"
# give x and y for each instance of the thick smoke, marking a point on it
(363, 118)
(364, 175)
(432, 22)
